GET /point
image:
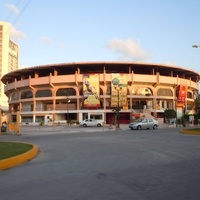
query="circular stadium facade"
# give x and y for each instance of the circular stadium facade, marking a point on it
(98, 90)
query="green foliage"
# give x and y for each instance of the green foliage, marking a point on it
(196, 104)
(170, 114)
(50, 120)
(41, 123)
(186, 116)
(183, 121)
(74, 122)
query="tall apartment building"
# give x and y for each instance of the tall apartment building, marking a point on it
(9, 57)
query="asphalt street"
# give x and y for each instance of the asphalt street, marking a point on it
(95, 164)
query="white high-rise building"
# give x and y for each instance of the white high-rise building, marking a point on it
(9, 58)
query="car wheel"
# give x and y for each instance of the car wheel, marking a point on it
(155, 126)
(84, 125)
(131, 128)
(139, 128)
(99, 125)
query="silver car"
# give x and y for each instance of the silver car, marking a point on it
(91, 122)
(144, 123)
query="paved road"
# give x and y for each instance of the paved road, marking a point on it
(113, 165)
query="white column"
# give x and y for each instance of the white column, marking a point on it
(34, 118)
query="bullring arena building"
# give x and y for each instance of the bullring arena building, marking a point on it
(79, 90)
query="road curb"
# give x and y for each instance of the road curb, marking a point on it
(19, 159)
(187, 131)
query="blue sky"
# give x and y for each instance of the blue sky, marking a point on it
(153, 31)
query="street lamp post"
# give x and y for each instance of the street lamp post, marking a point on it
(196, 103)
(118, 109)
(175, 103)
(68, 101)
(118, 88)
(196, 46)
(176, 118)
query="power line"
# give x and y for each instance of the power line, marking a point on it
(9, 15)
(20, 13)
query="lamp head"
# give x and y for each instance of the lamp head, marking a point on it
(195, 46)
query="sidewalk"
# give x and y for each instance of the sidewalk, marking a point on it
(50, 130)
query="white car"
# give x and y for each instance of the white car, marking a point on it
(91, 122)
(144, 123)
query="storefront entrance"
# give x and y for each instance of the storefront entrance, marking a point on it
(124, 118)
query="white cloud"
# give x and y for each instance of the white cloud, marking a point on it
(128, 49)
(61, 45)
(16, 34)
(48, 41)
(13, 8)
(45, 40)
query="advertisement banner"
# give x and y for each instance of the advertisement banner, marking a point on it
(118, 90)
(182, 93)
(91, 90)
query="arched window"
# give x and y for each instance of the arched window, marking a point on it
(66, 92)
(43, 93)
(26, 95)
(15, 96)
(164, 92)
(141, 91)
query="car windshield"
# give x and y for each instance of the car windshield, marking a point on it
(139, 120)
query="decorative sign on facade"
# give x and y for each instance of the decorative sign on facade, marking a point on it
(182, 92)
(91, 90)
(118, 90)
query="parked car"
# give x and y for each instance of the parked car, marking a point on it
(144, 123)
(91, 122)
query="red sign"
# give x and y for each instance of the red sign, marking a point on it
(182, 94)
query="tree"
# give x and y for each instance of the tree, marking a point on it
(170, 114)
(196, 108)
(196, 104)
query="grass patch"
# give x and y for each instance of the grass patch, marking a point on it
(10, 149)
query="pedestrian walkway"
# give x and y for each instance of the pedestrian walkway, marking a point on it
(64, 129)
